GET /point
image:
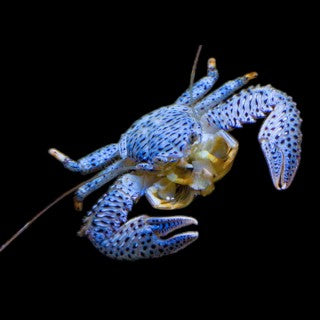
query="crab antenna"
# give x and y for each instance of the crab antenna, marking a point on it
(39, 214)
(193, 72)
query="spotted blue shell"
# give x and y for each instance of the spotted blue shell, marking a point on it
(164, 135)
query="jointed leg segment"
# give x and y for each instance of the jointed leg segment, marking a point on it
(222, 93)
(102, 178)
(202, 87)
(93, 162)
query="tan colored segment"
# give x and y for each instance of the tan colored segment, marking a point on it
(78, 205)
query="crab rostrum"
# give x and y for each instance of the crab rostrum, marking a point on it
(176, 153)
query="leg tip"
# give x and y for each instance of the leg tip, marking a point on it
(57, 154)
(78, 205)
(212, 63)
(251, 75)
(52, 151)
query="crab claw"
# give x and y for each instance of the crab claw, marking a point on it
(144, 237)
(280, 138)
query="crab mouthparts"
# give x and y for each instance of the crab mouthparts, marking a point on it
(192, 176)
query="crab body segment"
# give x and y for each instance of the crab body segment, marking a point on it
(176, 153)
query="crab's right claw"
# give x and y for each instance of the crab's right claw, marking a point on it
(280, 138)
(146, 236)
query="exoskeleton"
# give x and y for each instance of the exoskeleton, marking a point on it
(176, 153)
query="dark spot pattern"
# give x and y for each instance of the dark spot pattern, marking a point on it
(199, 89)
(107, 227)
(282, 146)
(164, 135)
(244, 107)
(280, 135)
(93, 161)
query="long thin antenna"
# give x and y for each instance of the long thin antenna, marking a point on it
(38, 215)
(193, 72)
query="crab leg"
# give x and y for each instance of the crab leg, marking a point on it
(222, 93)
(108, 229)
(202, 87)
(103, 177)
(280, 136)
(93, 162)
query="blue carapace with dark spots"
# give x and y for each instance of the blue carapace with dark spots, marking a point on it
(176, 153)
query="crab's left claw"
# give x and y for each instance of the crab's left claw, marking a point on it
(143, 237)
(147, 236)
(280, 138)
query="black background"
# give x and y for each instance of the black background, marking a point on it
(78, 92)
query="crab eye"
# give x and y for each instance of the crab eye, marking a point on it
(193, 138)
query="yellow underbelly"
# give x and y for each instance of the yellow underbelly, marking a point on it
(207, 163)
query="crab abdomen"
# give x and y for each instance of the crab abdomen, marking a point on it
(164, 135)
